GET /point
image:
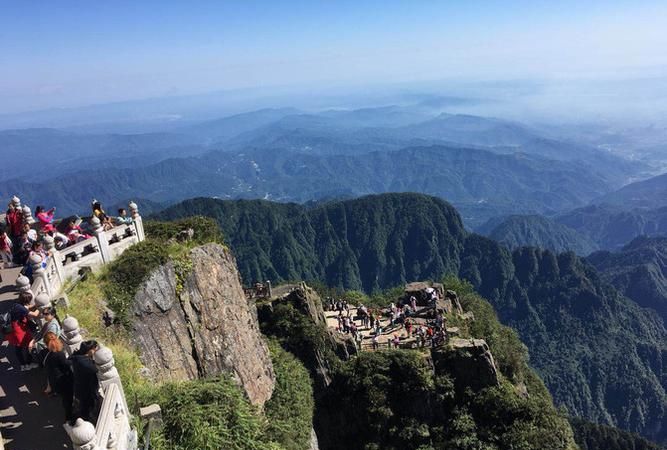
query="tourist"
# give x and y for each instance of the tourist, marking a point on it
(30, 232)
(396, 341)
(44, 217)
(86, 385)
(75, 233)
(14, 220)
(6, 244)
(50, 324)
(123, 218)
(22, 250)
(59, 373)
(408, 327)
(359, 338)
(101, 215)
(19, 337)
(375, 342)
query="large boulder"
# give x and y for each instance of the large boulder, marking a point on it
(192, 320)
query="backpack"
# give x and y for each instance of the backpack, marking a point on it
(6, 322)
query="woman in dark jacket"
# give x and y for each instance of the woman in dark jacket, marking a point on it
(59, 372)
(86, 386)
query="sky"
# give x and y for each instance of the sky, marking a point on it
(59, 54)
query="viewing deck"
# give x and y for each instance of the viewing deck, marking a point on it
(29, 419)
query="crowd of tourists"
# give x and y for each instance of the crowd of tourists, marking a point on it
(22, 235)
(430, 328)
(34, 332)
(36, 335)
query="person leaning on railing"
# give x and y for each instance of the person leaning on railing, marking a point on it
(123, 218)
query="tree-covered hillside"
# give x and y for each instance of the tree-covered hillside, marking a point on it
(639, 271)
(612, 227)
(600, 354)
(537, 231)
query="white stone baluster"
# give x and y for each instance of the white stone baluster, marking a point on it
(71, 334)
(102, 240)
(42, 300)
(50, 245)
(107, 374)
(138, 222)
(82, 435)
(16, 202)
(23, 284)
(39, 272)
(27, 215)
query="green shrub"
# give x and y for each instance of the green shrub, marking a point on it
(205, 229)
(289, 412)
(209, 415)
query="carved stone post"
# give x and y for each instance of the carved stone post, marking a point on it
(27, 215)
(138, 222)
(107, 373)
(16, 202)
(102, 241)
(50, 245)
(42, 300)
(38, 271)
(23, 284)
(71, 334)
(268, 288)
(82, 435)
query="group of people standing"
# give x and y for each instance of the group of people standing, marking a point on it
(401, 315)
(35, 334)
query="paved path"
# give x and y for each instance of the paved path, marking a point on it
(388, 332)
(28, 419)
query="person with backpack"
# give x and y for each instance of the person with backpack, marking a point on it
(17, 327)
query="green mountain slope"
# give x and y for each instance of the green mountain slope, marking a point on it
(600, 354)
(612, 227)
(639, 271)
(536, 231)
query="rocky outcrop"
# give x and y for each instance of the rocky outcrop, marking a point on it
(470, 363)
(192, 320)
(317, 343)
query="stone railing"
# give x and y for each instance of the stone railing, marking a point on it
(64, 264)
(113, 429)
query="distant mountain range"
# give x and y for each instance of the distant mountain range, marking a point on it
(647, 194)
(486, 166)
(600, 354)
(469, 178)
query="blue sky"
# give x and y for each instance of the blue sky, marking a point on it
(71, 53)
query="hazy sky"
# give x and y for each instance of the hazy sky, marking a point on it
(70, 53)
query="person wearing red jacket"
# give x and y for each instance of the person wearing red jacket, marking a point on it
(21, 335)
(14, 219)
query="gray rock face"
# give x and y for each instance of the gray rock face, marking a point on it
(470, 362)
(202, 325)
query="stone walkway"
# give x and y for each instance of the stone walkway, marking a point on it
(29, 420)
(387, 331)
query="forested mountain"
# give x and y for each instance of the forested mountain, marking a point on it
(600, 354)
(612, 227)
(590, 436)
(649, 194)
(480, 182)
(639, 271)
(536, 231)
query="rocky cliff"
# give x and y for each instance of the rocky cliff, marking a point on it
(192, 320)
